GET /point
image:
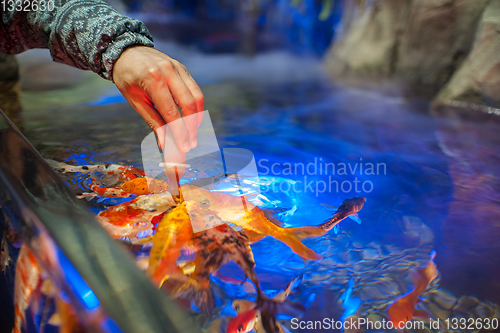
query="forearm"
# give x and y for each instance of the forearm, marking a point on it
(87, 34)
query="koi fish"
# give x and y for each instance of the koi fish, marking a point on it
(349, 208)
(132, 217)
(27, 281)
(215, 247)
(135, 186)
(252, 219)
(172, 234)
(244, 322)
(253, 316)
(404, 308)
(123, 171)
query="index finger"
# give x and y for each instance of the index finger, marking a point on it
(164, 103)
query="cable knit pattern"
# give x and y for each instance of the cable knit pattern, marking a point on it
(87, 34)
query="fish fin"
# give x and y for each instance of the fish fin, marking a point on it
(293, 236)
(351, 306)
(347, 293)
(329, 207)
(280, 297)
(302, 233)
(55, 320)
(268, 312)
(254, 236)
(200, 295)
(355, 218)
(421, 314)
(270, 214)
(429, 272)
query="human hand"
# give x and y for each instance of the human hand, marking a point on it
(154, 84)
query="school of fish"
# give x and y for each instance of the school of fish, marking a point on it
(163, 224)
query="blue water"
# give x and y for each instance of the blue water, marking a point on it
(434, 189)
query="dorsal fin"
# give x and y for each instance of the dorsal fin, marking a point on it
(330, 207)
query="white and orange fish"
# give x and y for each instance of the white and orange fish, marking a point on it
(404, 308)
(132, 217)
(27, 281)
(134, 186)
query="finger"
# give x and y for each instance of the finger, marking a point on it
(152, 118)
(164, 103)
(182, 95)
(195, 91)
(174, 169)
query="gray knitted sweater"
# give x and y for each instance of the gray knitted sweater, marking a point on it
(87, 34)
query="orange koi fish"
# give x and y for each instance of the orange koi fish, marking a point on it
(252, 219)
(244, 322)
(135, 186)
(27, 281)
(132, 217)
(172, 234)
(349, 208)
(403, 309)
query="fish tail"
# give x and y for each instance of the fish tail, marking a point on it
(197, 292)
(293, 236)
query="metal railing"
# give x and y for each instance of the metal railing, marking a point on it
(98, 275)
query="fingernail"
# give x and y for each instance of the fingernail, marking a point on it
(194, 143)
(187, 146)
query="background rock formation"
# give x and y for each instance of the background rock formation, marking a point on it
(477, 80)
(425, 44)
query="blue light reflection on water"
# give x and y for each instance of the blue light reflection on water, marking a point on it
(79, 287)
(409, 201)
